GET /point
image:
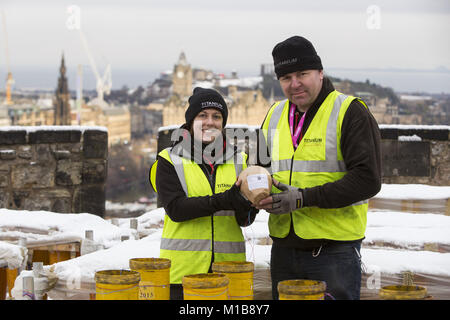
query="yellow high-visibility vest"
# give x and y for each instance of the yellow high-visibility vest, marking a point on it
(316, 161)
(190, 244)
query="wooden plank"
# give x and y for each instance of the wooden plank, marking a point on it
(3, 283)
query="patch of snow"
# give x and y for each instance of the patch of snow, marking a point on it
(52, 128)
(414, 126)
(12, 255)
(413, 191)
(409, 138)
(50, 227)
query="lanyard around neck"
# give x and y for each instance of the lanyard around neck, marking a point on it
(298, 130)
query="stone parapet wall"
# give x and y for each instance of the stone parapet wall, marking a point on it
(55, 168)
(415, 154)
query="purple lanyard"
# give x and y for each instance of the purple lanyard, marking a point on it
(298, 130)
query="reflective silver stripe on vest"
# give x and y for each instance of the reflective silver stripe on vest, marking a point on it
(178, 165)
(229, 246)
(185, 244)
(331, 142)
(273, 123)
(308, 166)
(331, 164)
(202, 245)
(238, 166)
(319, 166)
(280, 165)
(224, 213)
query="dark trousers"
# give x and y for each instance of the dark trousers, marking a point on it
(338, 264)
(176, 292)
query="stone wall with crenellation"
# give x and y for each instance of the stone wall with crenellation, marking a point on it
(56, 168)
(415, 154)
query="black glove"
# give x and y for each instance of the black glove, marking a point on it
(237, 200)
(246, 218)
(232, 199)
(290, 199)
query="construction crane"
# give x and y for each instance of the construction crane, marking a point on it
(79, 101)
(9, 77)
(104, 84)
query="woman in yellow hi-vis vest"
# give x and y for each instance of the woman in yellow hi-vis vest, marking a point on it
(196, 182)
(325, 160)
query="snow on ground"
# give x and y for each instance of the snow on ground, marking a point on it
(11, 255)
(413, 191)
(407, 230)
(116, 257)
(52, 128)
(49, 227)
(393, 261)
(128, 207)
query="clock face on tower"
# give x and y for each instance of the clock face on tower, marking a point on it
(180, 74)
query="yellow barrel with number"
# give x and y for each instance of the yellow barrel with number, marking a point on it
(402, 293)
(301, 290)
(117, 285)
(240, 274)
(155, 277)
(205, 286)
(11, 275)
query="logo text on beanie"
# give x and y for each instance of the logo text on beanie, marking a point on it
(284, 62)
(211, 104)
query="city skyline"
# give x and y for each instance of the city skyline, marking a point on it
(145, 38)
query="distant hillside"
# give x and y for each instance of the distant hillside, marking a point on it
(270, 85)
(376, 89)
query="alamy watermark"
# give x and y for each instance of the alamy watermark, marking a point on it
(190, 146)
(73, 281)
(73, 21)
(373, 21)
(373, 281)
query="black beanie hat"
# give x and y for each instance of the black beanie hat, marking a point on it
(204, 99)
(295, 54)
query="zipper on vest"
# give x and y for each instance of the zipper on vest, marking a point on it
(290, 180)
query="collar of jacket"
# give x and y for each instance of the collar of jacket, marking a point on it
(225, 150)
(327, 88)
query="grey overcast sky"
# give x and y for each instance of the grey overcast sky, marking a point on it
(227, 35)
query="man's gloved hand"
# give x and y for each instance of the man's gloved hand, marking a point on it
(290, 199)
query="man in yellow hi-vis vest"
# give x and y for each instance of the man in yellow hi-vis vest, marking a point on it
(325, 160)
(196, 182)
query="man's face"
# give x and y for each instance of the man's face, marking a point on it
(207, 125)
(302, 87)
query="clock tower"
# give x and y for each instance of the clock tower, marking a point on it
(182, 77)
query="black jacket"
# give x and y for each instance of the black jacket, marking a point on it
(181, 208)
(360, 144)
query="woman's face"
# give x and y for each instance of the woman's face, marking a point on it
(207, 125)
